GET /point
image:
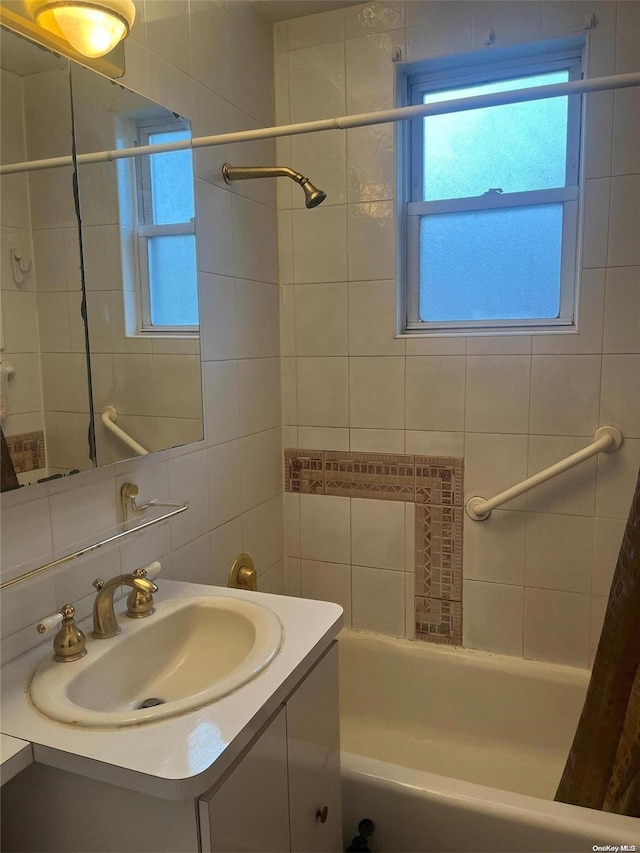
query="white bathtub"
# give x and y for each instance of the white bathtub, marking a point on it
(453, 750)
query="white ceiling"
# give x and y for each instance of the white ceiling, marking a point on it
(282, 10)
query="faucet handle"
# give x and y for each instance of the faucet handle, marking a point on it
(140, 604)
(98, 584)
(69, 642)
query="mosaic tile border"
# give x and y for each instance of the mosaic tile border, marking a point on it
(27, 451)
(435, 485)
(381, 476)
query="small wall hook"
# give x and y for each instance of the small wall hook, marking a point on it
(20, 267)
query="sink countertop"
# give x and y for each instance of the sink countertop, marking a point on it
(177, 757)
(15, 755)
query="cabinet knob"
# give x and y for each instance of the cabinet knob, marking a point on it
(322, 814)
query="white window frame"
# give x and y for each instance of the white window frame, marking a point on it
(416, 78)
(146, 228)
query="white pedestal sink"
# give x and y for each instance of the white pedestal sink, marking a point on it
(189, 653)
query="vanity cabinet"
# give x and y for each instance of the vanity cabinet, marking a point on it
(284, 793)
(281, 794)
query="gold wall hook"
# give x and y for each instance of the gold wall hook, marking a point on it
(243, 574)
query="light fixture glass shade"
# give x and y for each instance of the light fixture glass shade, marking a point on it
(91, 28)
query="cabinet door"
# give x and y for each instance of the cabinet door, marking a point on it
(313, 739)
(249, 811)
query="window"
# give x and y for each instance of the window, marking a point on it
(492, 197)
(165, 231)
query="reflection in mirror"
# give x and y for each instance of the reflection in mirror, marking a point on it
(44, 383)
(138, 239)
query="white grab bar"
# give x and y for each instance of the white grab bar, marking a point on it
(108, 417)
(606, 439)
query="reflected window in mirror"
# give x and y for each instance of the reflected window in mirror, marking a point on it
(158, 191)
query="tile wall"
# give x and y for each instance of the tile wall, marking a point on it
(211, 61)
(508, 405)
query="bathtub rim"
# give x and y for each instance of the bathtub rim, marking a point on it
(529, 810)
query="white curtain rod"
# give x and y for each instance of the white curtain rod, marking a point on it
(535, 93)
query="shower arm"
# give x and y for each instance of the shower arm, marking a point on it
(247, 173)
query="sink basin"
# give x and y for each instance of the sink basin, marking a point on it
(190, 652)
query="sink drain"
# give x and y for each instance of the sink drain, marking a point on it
(151, 703)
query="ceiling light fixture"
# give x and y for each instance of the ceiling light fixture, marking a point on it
(92, 29)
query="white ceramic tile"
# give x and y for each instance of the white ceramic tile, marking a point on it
(435, 393)
(321, 312)
(285, 245)
(210, 45)
(324, 438)
(497, 393)
(327, 582)
(620, 396)
(371, 163)
(287, 320)
(627, 37)
(510, 22)
(378, 600)
(291, 524)
(322, 157)
(225, 544)
(617, 475)
(76, 581)
(377, 440)
(77, 515)
(188, 481)
(222, 420)
(167, 32)
(433, 443)
(53, 318)
(372, 319)
(436, 344)
(626, 157)
(191, 562)
(494, 549)
(622, 310)
(376, 392)
(493, 617)
(565, 394)
(596, 222)
(409, 607)
(180, 373)
(262, 534)
(607, 538)
(598, 134)
(142, 549)
(323, 392)
(292, 579)
(559, 552)
(290, 436)
(377, 534)
(374, 17)
(261, 456)
(590, 320)
(224, 463)
(409, 538)
(259, 393)
(258, 333)
(26, 603)
(370, 73)
(557, 626)
(443, 35)
(250, 61)
(320, 244)
(325, 528)
(572, 492)
(372, 241)
(317, 82)
(214, 212)
(256, 243)
(26, 532)
(289, 390)
(169, 85)
(274, 579)
(624, 246)
(322, 28)
(217, 316)
(494, 463)
(212, 114)
(499, 345)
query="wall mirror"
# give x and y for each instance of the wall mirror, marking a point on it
(123, 256)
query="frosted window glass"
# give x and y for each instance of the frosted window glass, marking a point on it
(516, 147)
(171, 181)
(491, 264)
(172, 280)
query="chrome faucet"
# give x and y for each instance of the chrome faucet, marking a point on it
(105, 624)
